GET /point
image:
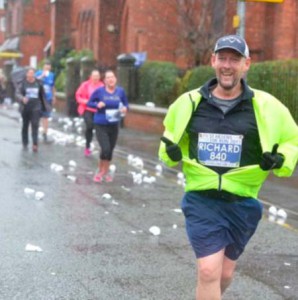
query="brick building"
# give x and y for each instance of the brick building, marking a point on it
(112, 27)
(271, 30)
(2, 22)
(27, 28)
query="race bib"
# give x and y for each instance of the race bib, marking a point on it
(220, 150)
(113, 115)
(32, 93)
(47, 88)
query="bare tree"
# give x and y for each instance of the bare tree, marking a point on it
(199, 24)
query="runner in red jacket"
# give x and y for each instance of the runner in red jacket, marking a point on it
(83, 94)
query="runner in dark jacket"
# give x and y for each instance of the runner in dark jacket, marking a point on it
(32, 104)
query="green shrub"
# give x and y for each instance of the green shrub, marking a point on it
(57, 58)
(279, 78)
(77, 55)
(61, 81)
(158, 83)
(196, 77)
(58, 61)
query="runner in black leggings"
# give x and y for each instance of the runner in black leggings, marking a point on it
(110, 102)
(83, 94)
(31, 97)
(107, 137)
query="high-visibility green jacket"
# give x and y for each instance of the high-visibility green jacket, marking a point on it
(275, 125)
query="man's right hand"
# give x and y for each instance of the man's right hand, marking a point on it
(173, 150)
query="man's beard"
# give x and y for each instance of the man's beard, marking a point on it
(226, 86)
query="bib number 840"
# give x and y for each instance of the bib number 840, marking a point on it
(218, 156)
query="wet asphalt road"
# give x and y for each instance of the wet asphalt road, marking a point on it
(98, 248)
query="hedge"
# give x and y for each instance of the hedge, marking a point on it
(158, 83)
(195, 78)
(279, 78)
(58, 61)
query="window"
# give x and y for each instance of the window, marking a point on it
(2, 24)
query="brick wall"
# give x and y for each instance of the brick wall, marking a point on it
(121, 26)
(88, 24)
(145, 119)
(271, 30)
(139, 117)
(84, 22)
(109, 40)
(2, 33)
(151, 28)
(60, 20)
(285, 30)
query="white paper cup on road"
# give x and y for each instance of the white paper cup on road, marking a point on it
(32, 248)
(72, 163)
(281, 216)
(39, 195)
(71, 178)
(106, 196)
(154, 230)
(29, 192)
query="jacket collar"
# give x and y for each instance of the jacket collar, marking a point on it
(207, 87)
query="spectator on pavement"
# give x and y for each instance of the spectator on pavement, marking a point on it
(83, 94)
(229, 137)
(110, 103)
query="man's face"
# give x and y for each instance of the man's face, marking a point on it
(229, 67)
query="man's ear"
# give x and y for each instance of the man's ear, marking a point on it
(212, 59)
(247, 63)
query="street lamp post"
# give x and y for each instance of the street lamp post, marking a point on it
(241, 14)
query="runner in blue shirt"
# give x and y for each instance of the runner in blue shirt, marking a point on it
(111, 104)
(48, 80)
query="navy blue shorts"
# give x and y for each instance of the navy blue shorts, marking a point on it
(215, 224)
(47, 114)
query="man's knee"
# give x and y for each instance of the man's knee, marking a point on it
(227, 274)
(209, 274)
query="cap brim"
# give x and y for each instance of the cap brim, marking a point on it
(235, 49)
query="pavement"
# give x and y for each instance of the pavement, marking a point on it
(266, 271)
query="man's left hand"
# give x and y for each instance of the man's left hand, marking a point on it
(271, 160)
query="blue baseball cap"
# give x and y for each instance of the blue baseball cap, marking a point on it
(234, 42)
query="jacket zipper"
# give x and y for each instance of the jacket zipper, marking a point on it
(219, 182)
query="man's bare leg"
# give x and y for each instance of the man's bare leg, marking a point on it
(227, 273)
(45, 125)
(209, 276)
(215, 273)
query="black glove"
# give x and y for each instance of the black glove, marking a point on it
(271, 160)
(173, 150)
